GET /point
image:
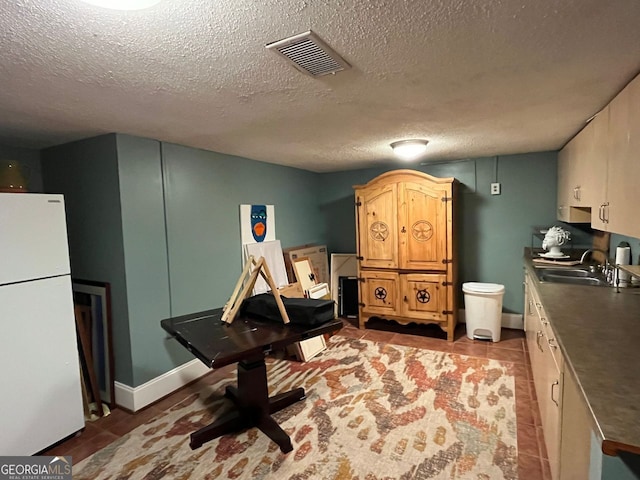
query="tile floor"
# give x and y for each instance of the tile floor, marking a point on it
(512, 349)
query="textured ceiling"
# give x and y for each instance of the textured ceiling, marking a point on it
(475, 77)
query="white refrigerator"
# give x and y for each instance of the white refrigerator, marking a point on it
(40, 399)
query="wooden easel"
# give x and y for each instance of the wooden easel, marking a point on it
(230, 310)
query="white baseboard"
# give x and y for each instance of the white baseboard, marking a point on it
(509, 320)
(134, 399)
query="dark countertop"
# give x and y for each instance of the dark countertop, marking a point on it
(598, 331)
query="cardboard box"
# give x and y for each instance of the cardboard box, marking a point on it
(317, 255)
(293, 290)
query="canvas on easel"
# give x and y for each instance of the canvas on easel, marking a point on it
(272, 254)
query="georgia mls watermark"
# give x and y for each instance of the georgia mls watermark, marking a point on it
(35, 468)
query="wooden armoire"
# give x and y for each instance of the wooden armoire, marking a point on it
(405, 249)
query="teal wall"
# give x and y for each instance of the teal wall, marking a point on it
(86, 172)
(626, 466)
(491, 230)
(161, 224)
(29, 162)
(145, 255)
(203, 194)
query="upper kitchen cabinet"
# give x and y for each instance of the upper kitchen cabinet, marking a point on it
(617, 212)
(567, 183)
(582, 167)
(598, 168)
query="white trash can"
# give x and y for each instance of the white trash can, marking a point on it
(483, 310)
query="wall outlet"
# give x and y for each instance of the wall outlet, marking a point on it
(495, 189)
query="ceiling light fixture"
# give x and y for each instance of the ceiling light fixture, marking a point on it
(123, 4)
(409, 149)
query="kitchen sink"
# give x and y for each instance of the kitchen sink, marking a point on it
(566, 272)
(574, 276)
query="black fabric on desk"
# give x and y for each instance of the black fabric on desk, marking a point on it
(303, 311)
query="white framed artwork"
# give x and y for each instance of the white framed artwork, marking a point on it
(310, 347)
(320, 290)
(304, 273)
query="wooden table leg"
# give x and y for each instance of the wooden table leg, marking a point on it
(253, 408)
(271, 429)
(229, 423)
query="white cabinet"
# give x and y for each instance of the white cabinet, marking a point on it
(617, 212)
(582, 167)
(598, 169)
(572, 438)
(568, 185)
(576, 433)
(547, 366)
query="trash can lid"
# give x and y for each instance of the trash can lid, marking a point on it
(477, 287)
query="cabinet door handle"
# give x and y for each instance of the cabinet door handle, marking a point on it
(600, 215)
(605, 212)
(554, 384)
(538, 335)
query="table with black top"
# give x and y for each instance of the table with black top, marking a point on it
(245, 341)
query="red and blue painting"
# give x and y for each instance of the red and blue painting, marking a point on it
(257, 223)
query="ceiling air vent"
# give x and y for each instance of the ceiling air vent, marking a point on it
(309, 54)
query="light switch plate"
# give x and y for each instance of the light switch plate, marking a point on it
(495, 189)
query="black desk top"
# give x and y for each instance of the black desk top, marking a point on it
(218, 344)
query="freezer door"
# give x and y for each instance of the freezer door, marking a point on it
(33, 237)
(41, 401)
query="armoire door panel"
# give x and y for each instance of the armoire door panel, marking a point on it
(378, 227)
(380, 292)
(423, 228)
(423, 295)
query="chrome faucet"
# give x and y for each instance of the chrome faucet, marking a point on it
(591, 250)
(607, 268)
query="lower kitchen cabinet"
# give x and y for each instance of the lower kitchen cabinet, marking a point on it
(576, 433)
(547, 366)
(574, 448)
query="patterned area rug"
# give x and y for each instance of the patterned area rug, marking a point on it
(373, 411)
